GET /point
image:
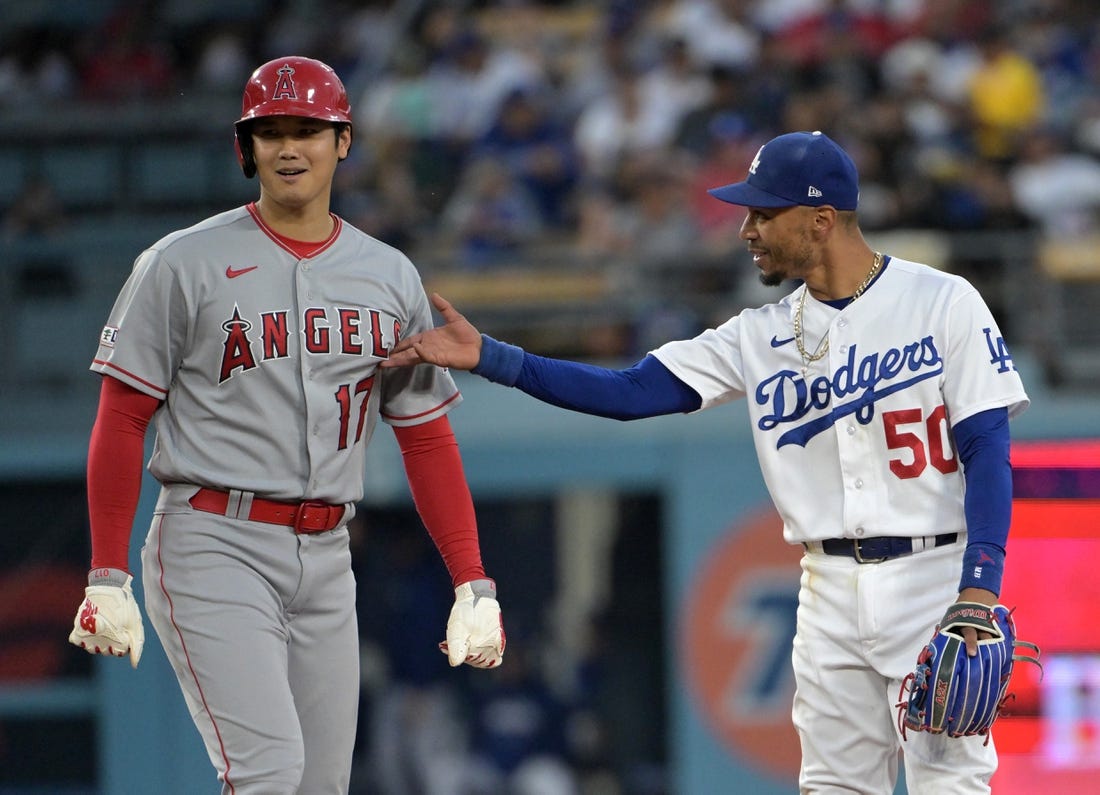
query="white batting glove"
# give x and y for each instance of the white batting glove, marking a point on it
(108, 621)
(475, 630)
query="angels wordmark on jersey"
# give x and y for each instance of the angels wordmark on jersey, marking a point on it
(349, 330)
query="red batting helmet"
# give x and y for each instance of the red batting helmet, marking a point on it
(292, 86)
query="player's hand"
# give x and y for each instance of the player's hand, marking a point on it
(475, 630)
(108, 620)
(970, 635)
(455, 344)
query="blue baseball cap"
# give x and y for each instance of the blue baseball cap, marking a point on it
(806, 168)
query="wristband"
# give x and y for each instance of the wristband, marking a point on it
(500, 362)
(106, 576)
(983, 567)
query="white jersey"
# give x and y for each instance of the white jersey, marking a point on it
(861, 445)
(269, 363)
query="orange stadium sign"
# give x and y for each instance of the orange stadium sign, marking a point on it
(739, 622)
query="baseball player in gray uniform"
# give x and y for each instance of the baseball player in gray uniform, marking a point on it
(879, 393)
(253, 341)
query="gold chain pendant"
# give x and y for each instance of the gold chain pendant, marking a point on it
(823, 346)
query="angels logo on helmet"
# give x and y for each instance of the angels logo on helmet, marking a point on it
(284, 88)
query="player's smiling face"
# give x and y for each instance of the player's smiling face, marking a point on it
(296, 158)
(780, 241)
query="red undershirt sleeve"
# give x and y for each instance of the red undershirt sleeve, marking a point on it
(115, 454)
(441, 495)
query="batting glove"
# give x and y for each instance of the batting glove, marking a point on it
(475, 630)
(108, 621)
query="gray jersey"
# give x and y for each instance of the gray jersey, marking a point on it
(269, 364)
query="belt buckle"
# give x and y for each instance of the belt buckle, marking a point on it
(859, 554)
(303, 509)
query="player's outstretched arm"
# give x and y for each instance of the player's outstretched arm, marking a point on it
(647, 389)
(455, 344)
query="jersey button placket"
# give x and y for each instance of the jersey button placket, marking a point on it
(852, 443)
(314, 397)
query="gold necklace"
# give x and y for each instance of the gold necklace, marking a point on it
(823, 346)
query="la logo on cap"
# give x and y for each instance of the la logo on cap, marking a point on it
(806, 168)
(756, 161)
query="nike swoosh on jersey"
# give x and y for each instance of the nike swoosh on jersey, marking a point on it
(778, 343)
(233, 273)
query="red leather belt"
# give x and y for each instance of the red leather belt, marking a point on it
(304, 517)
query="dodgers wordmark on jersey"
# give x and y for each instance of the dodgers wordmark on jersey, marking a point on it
(881, 403)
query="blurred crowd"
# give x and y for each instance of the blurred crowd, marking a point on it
(540, 725)
(488, 132)
(492, 126)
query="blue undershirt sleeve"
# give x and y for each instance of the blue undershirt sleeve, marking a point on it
(647, 389)
(983, 445)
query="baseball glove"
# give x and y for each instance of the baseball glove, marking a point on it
(955, 694)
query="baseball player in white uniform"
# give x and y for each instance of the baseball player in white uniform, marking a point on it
(879, 393)
(253, 341)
